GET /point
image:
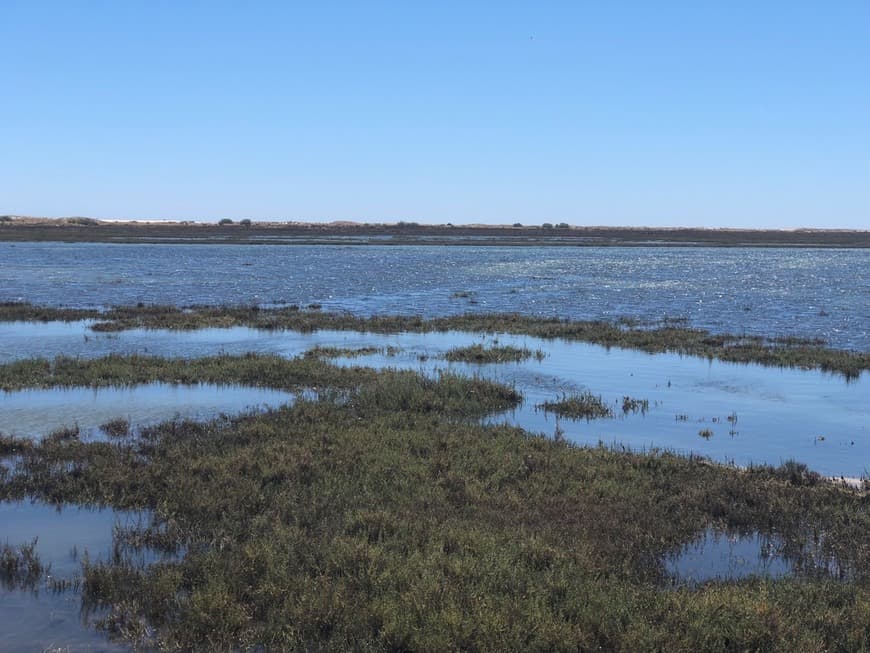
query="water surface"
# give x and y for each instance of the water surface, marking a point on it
(724, 555)
(35, 413)
(34, 620)
(766, 291)
(810, 416)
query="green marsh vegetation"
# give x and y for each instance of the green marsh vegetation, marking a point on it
(583, 405)
(495, 354)
(777, 352)
(450, 393)
(380, 516)
(320, 351)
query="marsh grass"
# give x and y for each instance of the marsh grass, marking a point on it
(632, 405)
(20, 566)
(377, 518)
(24, 312)
(584, 405)
(391, 389)
(11, 445)
(382, 516)
(343, 352)
(116, 428)
(480, 354)
(670, 337)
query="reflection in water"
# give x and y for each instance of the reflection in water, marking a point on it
(35, 413)
(809, 416)
(719, 554)
(756, 414)
(39, 617)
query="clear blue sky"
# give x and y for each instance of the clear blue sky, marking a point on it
(636, 113)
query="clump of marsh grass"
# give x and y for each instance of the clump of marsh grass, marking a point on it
(584, 405)
(20, 566)
(796, 473)
(448, 394)
(496, 354)
(64, 434)
(14, 446)
(341, 352)
(116, 428)
(632, 405)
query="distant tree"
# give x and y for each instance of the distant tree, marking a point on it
(564, 225)
(246, 222)
(518, 224)
(224, 221)
(547, 225)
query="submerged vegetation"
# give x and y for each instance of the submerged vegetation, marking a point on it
(377, 516)
(782, 352)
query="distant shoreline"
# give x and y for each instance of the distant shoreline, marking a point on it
(23, 229)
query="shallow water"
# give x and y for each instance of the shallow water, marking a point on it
(766, 291)
(36, 620)
(35, 413)
(723, 555)
(810, 416)
(781, 414)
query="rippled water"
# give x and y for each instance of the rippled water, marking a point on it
(805, 292)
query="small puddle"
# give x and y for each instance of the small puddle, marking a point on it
(38, 618)
(35, 413)
(727, 555)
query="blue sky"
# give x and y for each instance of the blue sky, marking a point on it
(729, 114)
